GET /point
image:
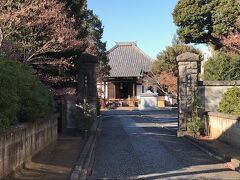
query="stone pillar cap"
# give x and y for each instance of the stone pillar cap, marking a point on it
(88, 58)
(188, 57)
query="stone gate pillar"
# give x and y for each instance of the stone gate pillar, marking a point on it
(188, 70)
(87, 85)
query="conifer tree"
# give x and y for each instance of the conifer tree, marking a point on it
(206, 21)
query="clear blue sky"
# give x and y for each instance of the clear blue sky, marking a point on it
(149, 22)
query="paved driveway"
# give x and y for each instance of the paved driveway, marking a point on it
(143, 145)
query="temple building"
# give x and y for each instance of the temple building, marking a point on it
(128, 63)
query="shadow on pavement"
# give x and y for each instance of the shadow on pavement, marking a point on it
(54, 162)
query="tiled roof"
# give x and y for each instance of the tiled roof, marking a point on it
(127, 60)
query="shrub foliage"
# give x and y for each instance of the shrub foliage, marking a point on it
(84, 116)
(230, 102)
(23, 98)
(196, 121)
(222, 66)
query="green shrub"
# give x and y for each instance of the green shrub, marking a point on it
(23, 98)
(86, 122)
(35, 101)
(222, 66)
(195, 125)
(83, 114)
(196, 122)
(230, 102)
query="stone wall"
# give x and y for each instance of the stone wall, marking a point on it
(20, 143)
(225, 128)
(211, 92)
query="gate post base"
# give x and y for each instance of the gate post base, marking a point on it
(182, 133)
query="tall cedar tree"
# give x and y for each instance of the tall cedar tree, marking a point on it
(92, 30)
(208, 21)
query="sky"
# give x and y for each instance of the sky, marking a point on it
(147, 22)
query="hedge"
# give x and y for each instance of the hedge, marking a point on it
(223, 66)
(230, 102)
(23, 98)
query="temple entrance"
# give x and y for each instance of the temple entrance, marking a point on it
(125, 81)
(124, 90)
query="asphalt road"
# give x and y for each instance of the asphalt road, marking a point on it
(143, 145)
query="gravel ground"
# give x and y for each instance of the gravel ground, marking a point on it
(143, 145)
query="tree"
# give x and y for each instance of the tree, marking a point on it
(169, 81)
(45, 35)
(222, 66)
(97, 47)
(164, 68)
(206, 21)
(232, 42)
(165, 82)
(38, 27)
(92, 31)
(51, 36)
(166, 60)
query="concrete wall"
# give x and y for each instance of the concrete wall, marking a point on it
(211, 93)
(20, 143)
(225, 127)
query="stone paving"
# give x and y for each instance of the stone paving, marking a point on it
(143, 145)
(54, 162)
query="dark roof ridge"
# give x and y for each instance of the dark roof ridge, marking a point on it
(122, 44)
(126, 43)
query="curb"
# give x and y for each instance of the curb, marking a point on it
(231, 163)
(85, 162)
(206, 149)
